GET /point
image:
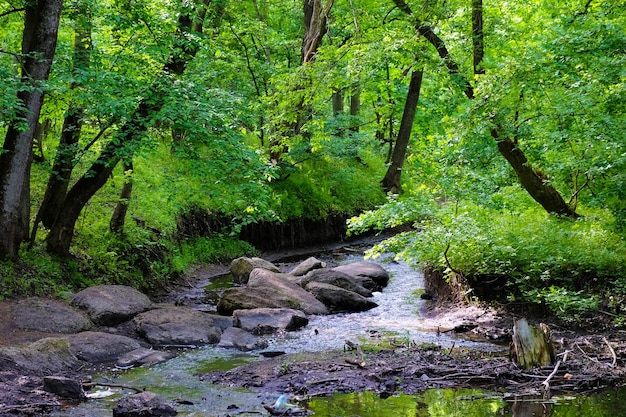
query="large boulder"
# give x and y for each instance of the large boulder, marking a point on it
(240, 268)
(110, 305)
(143, 404)
(237, 338)
(46, 356)
(307, 265)
(336, 278)
(281, 288)
(339, 300)
(369, 274)
(51, 316)
(270, 320)
(178, 326)
(99, 347)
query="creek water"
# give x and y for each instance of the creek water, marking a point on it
(397, 316)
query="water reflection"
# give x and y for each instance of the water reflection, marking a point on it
(469, 403)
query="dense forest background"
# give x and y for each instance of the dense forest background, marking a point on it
(143, 138)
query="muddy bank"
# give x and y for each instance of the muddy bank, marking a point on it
(585, 363)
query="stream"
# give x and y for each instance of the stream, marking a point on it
(397, 317)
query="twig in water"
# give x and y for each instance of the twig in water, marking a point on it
(546, 382)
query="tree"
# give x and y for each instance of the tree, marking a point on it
(532, 180)
(391, 181)
(41, 24)
(130, 135)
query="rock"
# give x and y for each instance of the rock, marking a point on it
(281, 288)
(269, 320)
(240, 268)
(143, 404)
(234, 337)
(50, 355)
(99, 347)
(307, 265)
(44, 315)
(143, 356)
(338, 299)
(366, 271)
(247, 298)
(64, 387)
(178, 326)
(109, 305)
(338, 279)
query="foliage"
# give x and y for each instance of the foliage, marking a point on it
(541, 258)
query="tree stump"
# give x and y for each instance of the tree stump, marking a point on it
(531, 345)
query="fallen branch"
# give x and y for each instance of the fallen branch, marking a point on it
(612, 352)
(546, 382)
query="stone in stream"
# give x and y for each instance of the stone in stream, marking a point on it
(64, 387)
(46, 356)
(366, 273)
(271, 290)
(99, 347)
(339, 300)
(336, 278)
(270, 320)
(51, 316)
(237, 338)
(109, 305)
(306, 266)
(143, 356)
(178, 326)
(240, 268)
(143, 404)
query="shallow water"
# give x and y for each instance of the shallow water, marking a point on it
(397, 317)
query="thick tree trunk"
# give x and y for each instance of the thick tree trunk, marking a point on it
(391, 181)
(72, 125)
(315, 26)
(41, 24)
(60, 236)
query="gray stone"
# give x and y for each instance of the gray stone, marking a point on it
(143, 404)
(336, 278)
(143, 356)
(281, 288)
(339, 300)
(178, 326)
(237, 338)
(64, 387)
(307, 265)
(46, 356)
(270, 320)
(368, 271)
(99, 347)
(109, 305)
(49, 316)
(240, 268)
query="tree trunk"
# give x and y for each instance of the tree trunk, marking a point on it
(531, 345)
(477, 36)
(532, 180)
(337, 100)
(72, 125)
(391, 181)
(130, 135)
(116, 225)
(41, 23)
(314, 25)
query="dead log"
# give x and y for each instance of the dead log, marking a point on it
(531, 345)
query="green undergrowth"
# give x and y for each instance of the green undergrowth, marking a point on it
(570, 266)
